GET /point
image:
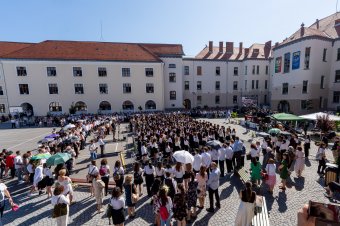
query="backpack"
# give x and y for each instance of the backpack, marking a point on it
(163, 211)
(103, 171)
(116, 175)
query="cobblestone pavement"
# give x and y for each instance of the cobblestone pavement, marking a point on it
(282, 206)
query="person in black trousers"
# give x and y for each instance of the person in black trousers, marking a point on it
(149, 171)
(213, 184)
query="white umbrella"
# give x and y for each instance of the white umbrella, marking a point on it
(183, 157)
(69, 126)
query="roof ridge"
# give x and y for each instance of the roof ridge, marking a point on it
(149, 51)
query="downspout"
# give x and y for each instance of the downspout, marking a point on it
(3, 73)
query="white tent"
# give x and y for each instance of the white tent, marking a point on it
(315, 115)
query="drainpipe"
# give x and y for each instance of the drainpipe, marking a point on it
(3, 73)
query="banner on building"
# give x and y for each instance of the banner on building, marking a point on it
(296, 60)
(278, 62)
(249, 101)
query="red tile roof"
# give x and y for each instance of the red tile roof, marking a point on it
(8, 47)
(105, 51)
(307, 33)
(326, 25)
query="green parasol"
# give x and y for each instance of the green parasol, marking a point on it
(58, 158)
(41, 156)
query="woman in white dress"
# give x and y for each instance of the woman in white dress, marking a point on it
(245, 212)
(59, 198)
(299, 161)
(66, 182)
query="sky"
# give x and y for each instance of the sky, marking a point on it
(192, 23)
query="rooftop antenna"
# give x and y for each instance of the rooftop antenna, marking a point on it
(336, 7)
(101, 31)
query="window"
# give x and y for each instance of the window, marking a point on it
(172, 77)
(149, 88)
(324, 55)
(336, 97)
(103, 88)
(2, 108)
(235, 85)
(199, 85)
(51, 71)
(235, 99)
(337, 76)
(322, 83)
(252, 84)
(235, 71)
(253, 71)
(303, 104)
(257, 84)
(267, 70)
(1, 91)
(55, 107)
(126, 88)
(172, 95)
(286, 65)
(338, 55)
(126, 72)
(186, 85)
(186, 70)
(199, 70)
(258, 69)
(265, 99)
(199, 99)
(149, 72)
(246, 70)
(217, 85)
(304, 86)
(53, 88)
(245, 84)
(218, 71)
(78, 89)
(102, 72)
(265, 84)
(284, 88)
(77, 72)
(172, 65)
(217, 99)
(307, 56)
(21, 71)
(23, 89)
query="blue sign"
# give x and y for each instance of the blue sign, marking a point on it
(296, 60)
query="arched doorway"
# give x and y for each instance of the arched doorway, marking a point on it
(104, 106)
(55, 107)
(150, 105)
(283, 106)
(27, 109)
(80, 106)
(187, 104)
(128, 106)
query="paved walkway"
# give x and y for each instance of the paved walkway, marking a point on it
(282, 206)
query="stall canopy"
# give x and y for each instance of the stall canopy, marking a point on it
(286, 117)
(315, 115)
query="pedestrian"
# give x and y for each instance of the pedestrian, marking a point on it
(160, 171)
(221, 158)
(98, 187)
(38, 176)
(2, 165)
(299, 161)
(149, 173)
(164, 206)
(18, 165)
(130, 192)
(321, 157)
(254, 152)
(186, 176)
(48, 178)
(10, 164)
(137, 177)
(180, 206)
(269, 155)
(156, 186)
(196, 165)
(117, 203)
(101, 144)
(66, 182)
(255, 174)
(93, 150)
(213, 184)
(104, 172)
(245, 211)
(92, 172)
(171, 185)
(202, 178)
(118, 174)
(178, 173)
(3, 194)
(283, 169)
(271, 172)
(192, 197)
(229, 158)
(61, 204)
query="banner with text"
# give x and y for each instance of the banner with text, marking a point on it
(278, 63)
(296, 60)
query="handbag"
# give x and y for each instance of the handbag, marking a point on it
(134, 197)
(60, 209)
(258, 204)
(89, 176)
(109, 210)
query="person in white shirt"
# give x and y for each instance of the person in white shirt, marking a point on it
(160, 171)
(221, 158)
(18, 165)
(196, 165)
(321, 157)
(229, 153)
(206, 158)
(118, 205)
(59, 198)
(149, 173)
(271, 172)
(144, 152)
(38, 176)
(93, 150)
(101, 144)
(214, 155)
(49, 180)
(254, 152)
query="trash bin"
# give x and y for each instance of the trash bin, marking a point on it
(331, 173)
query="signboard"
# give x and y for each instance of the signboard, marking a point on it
(278, 63)
(249, 101)
(296, 60)
(16, 110)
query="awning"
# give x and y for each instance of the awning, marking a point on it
(286, 117)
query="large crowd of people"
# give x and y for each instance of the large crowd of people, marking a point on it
(176, 190)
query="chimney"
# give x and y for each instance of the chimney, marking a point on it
(246, 51)
(276, 44)
(229, 47)
(336, 22)
(268, 45)
(241, 48)
(302, 30)
(317, 24)
(210, 46)
(220, 47)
